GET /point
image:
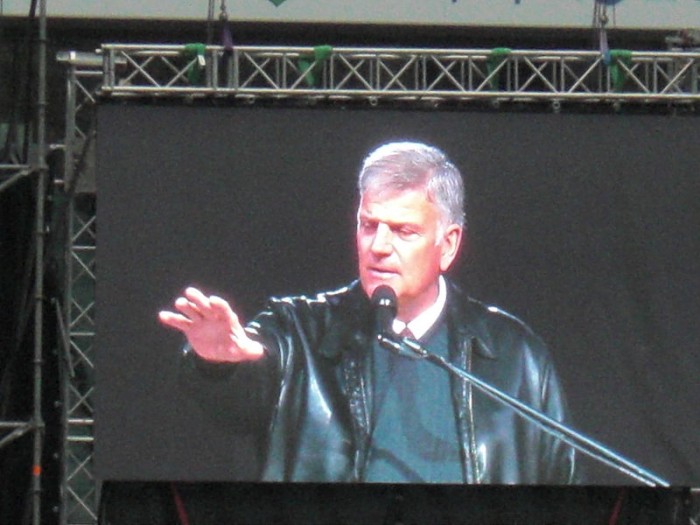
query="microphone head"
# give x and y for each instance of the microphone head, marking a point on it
(384, 304)
(384, 296)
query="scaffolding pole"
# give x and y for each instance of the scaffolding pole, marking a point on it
(40, 232)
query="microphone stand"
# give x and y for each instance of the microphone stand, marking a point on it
(568, 435)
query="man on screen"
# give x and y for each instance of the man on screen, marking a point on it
(344, 408)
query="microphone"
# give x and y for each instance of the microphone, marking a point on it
(384, 304)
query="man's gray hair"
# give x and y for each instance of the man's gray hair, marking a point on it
(399, 166)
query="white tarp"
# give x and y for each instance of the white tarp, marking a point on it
(644, 14)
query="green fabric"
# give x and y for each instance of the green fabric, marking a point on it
(194, 71)
(495, 59)
(310, 63)
(277, 2)
(618, 75)
(414, 432)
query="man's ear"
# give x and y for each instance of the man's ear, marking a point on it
(451, 240)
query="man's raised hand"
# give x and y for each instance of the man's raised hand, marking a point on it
(212, 328)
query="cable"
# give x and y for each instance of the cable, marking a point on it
(179, 506)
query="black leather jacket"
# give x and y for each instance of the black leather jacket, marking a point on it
(317, 382)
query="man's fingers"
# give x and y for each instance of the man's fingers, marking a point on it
(173, 320)
(195, 307)
(188, 308)
(223, 310)
(198, 300)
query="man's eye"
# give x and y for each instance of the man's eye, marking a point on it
(368, 226)
(406, 233)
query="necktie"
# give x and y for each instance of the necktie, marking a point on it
(406, 332)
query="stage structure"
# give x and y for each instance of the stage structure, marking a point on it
(16, 169)
(411, 75)
(422, 78)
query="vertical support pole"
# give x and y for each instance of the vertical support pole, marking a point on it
(42, 174)
(65, 364)
(69, 141)
(65, 369)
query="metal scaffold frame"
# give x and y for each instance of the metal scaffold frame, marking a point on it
(401, 74)
(307, 74)
(79, 487)
(79, 490)
(10, 174)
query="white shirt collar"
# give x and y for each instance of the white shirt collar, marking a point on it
(420, 325)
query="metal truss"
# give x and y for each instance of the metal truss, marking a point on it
(79, 491)
(79, 487)
(12, 173)
(400, 74)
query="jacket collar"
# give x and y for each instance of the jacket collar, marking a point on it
(467, 321)
(465, 317)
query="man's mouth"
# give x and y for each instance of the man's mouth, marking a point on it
(382, 273)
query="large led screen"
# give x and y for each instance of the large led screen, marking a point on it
(585, 226)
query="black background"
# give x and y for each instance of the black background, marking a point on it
(583, 225)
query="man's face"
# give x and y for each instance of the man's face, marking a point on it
(400, 243)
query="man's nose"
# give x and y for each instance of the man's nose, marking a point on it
(382, 242)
